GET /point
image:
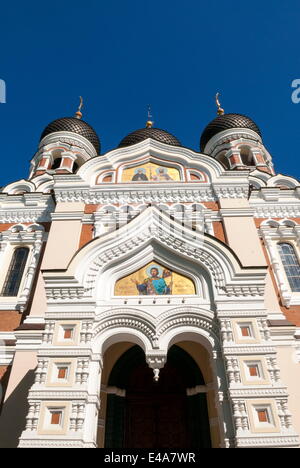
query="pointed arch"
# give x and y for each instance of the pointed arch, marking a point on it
(154, 233)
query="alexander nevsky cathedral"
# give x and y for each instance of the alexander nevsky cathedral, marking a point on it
(150, 296)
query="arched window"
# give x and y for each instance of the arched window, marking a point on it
(56, 163)
(246, 156)
(291, 265)
(223, 160)
(15, 272)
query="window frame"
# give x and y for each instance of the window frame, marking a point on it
(271, 236)
(286, 266)
(10, 270)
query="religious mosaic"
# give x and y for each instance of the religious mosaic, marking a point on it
(154, 279)
(150, 172)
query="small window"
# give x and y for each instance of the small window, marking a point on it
(56, 163)
(223, 160)
(107, 178)
(15, 272)
(263, 415)
(246, 156)
(56, 417)
(253, 370)
(62, 372)
(68, 333)
(291, 265)
(245, 330)
(75, 167)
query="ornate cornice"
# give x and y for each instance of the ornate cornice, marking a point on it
(248, 349)
(124, 195)
(74, 293)
(182, 193)
(242, 313)
(70, 314)
(262, 392)
(279, 210)
(51, 351)
(269, 441)
(53, 443)
(58, 394)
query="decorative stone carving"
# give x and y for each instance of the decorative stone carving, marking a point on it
(156, 362)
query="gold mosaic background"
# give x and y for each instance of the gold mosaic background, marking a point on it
(152, 173)
(180, 284)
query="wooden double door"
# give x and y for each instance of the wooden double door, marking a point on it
(156, 413)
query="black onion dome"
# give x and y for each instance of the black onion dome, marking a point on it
(150, 132)
(73, 125)
(226, 122)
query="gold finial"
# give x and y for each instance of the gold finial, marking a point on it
(78, 114)
(220, 111)
(149, 122)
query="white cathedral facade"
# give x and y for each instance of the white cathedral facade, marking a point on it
(150, 296)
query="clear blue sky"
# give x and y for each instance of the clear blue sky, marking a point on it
(122, 55)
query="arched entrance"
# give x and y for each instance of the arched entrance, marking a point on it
(157, 414)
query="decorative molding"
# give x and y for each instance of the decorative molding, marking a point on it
(156, 361)
(125, 196)
(73, 216)
(187, 319)
(64, 352)
(53, 443)
(126, 320)
(20, 213)
(240, 416)
(77, 417)
(65, 394)
(231, 192)
(75, 293)
(70, 314)
(267, 441)
(223, 314)
(280, 210)
(248, 349)
(245, 291)
(154, 195)
(261, 392)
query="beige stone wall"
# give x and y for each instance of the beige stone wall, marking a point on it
(39, 302)
(64, 237)
(290, 375)
(271, 300)
(241, 232)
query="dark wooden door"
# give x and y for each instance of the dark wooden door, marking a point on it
(156, 413)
